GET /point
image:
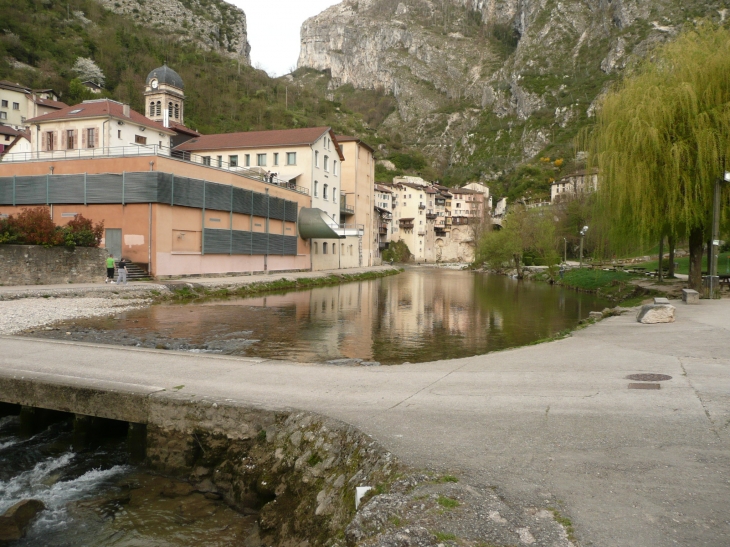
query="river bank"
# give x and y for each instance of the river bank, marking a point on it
(39, 306)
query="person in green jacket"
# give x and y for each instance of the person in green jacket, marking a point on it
(109, 269)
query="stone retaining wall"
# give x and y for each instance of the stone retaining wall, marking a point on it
(36, 265)
(296, 470)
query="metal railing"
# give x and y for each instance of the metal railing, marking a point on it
(138, 150)
(344, 208)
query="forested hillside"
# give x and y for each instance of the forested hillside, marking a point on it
(42, 39)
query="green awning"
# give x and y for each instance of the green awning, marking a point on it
(315, 224)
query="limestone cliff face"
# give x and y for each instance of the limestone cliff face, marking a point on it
(489, 78)
(212, 24)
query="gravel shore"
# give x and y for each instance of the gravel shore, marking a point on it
(19, 315)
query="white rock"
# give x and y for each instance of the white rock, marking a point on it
(656, 313)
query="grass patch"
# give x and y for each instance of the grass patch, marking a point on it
(566, 523)
(395, 521)
(179, 387)
(447, 478)
(444, 536)
(723, 264)
(185, 294)
(448, 503)
(261, 436)
(313, 460)
(594, 280)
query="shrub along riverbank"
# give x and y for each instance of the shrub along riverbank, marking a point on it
(194, 291)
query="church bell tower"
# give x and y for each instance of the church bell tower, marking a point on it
(164, 97)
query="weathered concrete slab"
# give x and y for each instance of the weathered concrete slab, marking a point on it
(91, 397)
(660, 300)
(651, 314)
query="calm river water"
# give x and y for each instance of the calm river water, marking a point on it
(423, 314)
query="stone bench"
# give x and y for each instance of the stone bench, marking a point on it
(661, 300)
(690, 296)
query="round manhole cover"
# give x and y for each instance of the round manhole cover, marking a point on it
(648, 377)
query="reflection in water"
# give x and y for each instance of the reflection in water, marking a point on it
(423, 314)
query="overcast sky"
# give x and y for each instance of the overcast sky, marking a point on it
(273, 30)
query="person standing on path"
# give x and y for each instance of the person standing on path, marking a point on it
(109, 269)
(122, 271)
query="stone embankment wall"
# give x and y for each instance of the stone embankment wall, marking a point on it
(296, 470)
(36, 265)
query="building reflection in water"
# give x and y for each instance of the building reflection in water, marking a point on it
(423, 314)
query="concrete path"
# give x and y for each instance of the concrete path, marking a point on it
(549, 425)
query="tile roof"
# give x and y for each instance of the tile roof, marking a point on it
(7, 130)
(58, 105)
(180, 128)
(96, 109)
(5, 84)
(345, 138)
(259, 139)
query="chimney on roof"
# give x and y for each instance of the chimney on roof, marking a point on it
(125, 110)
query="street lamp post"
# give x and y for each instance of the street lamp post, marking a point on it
(582, 235)
(714, 255)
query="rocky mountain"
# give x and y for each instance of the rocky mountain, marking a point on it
(484, 86)
(212, 24)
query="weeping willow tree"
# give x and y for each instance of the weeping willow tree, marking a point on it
(660, 141)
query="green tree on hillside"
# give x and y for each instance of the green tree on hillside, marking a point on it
(660, 140)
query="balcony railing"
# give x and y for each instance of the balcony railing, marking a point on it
(406, 226)
(422, 206)
(421, 232)
(431, 216)
(138, 150)
(346, 209)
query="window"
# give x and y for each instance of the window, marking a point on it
(4, 104)
(169, 110)
(233, 161)
(324, 248)
(326, 163)
(334, 194)
(152, 108)
(159, 108)
(16, 106)
(334, 167)
(49, 141)
(316, 185)
(206, 160)
(70, 139)
(139, 139)
(3, 115)
(276, 158)
(324, 192)
(261, 160)
(291, 158)
(119, 133)
(220, 161)
(177, 111)
(342, 248)
(247, 160)
(316, 158)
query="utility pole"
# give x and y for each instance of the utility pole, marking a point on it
(714, 250)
